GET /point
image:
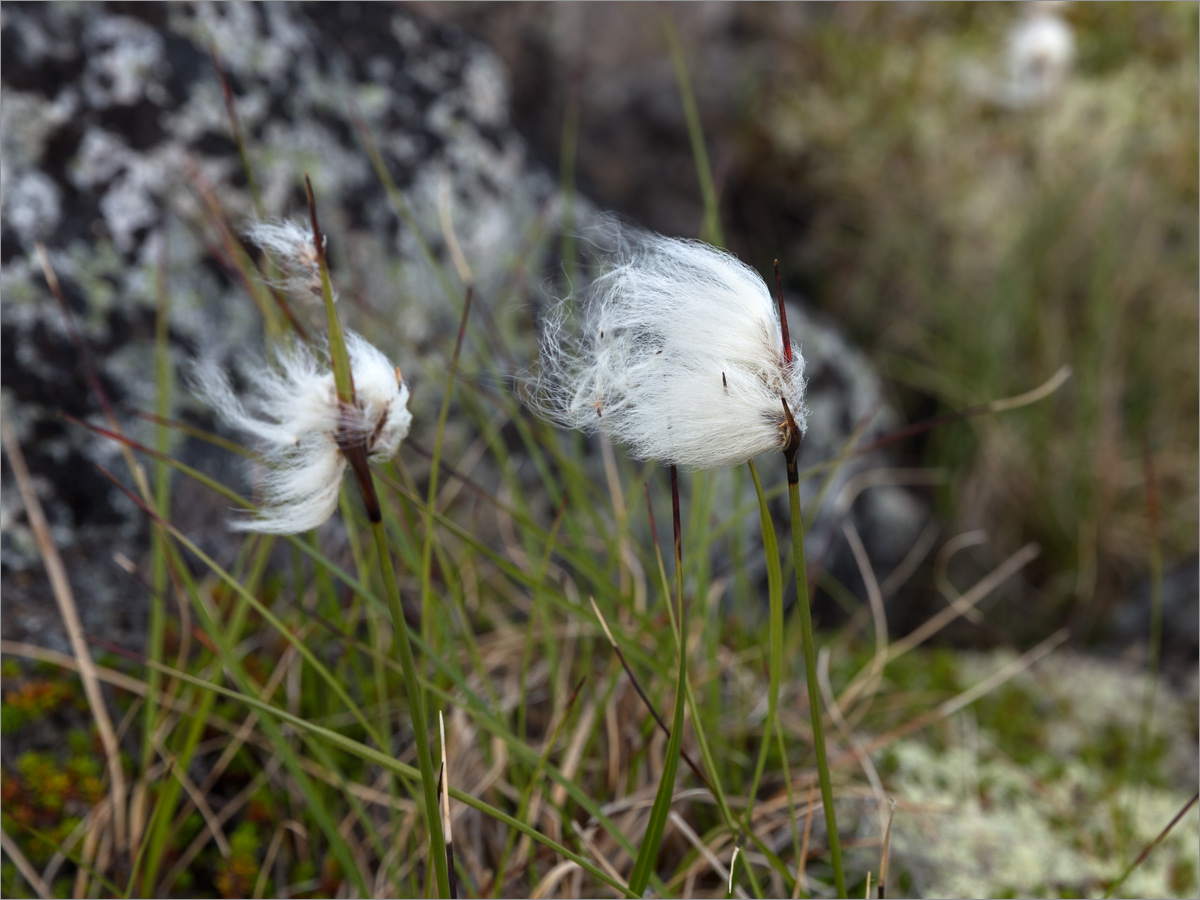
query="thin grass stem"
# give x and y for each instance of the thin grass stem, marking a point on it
(648, 853)
(427, 619)
(804, 614)
(712, 220)
(416, 710)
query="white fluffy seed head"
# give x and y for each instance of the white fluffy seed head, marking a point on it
(291, 246)
(382, 419)
(294, 414)
(676, 352)
(1040, 51)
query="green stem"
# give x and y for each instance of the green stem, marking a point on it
(427, 620)
(417, 711)
(339, 357)
(652, 840)
(712, 217)
(804, 612)
(162, 500)
(775, 632)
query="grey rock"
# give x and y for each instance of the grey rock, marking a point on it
(113, 120)
(112, 115)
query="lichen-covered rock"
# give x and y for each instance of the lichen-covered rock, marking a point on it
(116, 139)
(114, 124)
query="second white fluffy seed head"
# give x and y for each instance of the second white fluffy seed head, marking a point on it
(294, 412)
(291, 247)
(677, 353)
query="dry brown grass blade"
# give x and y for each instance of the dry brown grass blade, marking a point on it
(446, 221)
(942, 579)
(875, 602)
(199, 801)
(966, 698)
(65, 599)
(446, 830)
(707, 853)
(839, 720)
(620, 514)
(571, 762)
(1154, 843)
(218, 820)
(883, 852)
(919, 550)
(936, 623)
(696, 770)
(585, 838)
(28, 872)
(91, 841)
(247, 727)
(260, 884)
(802, 863)
(214, 821)
(1042, 391)
(66, 848)
(109, 676)
(551, 879)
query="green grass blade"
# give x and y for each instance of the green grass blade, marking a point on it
(370, 754)
(648, 853)
(652, 840)
(708, 191)
(416, 708)
(774, 628)
(804, 614)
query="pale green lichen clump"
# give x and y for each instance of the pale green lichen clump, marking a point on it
(972, 821)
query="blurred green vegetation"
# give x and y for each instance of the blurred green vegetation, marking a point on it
(976, 248)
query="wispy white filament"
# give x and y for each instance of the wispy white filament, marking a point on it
(294, 413)
(677, 353)
(290, 246)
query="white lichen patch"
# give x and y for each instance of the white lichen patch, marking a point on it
(971, 821)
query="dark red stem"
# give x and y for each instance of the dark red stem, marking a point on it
(787, 339)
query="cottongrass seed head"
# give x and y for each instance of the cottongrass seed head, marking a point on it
(301, 427)
(675, 351)
(1039, 54)
(290, 246)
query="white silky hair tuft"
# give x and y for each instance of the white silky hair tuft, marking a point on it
(294, 413)
(675, 350)
(290, 245)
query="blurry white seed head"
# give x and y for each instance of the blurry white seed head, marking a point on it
(293, 412)
(674, 350)
(1039, 54)
(290, 246)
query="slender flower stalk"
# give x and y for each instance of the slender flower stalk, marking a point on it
(791, 450)
(357, 457)
(680, 354)
(804, 612)
(315, 415)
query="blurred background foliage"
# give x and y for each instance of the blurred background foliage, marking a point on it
(972, 245)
